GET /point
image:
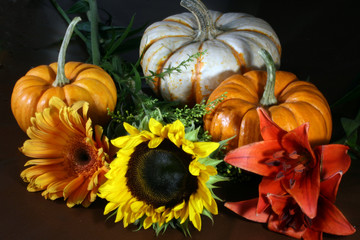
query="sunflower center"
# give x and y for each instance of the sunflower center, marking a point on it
(160, 176)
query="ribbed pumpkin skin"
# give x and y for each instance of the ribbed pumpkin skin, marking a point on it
(233, 49)
(88, 82)
(298, 102)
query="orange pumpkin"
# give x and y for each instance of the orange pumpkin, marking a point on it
(289, 102)
(71, 82)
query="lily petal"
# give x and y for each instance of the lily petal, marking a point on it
(279, 203)
(330, 186)
(274, 225)
(253, 157)
(247, 209)
(269, 129)
(334, 158)
(329, 219)
(297, 141)
(268, 186)
(310, 234)
(305, 190)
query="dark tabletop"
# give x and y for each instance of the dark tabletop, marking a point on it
(320, 42)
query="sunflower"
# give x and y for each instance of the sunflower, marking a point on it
(160, 177)
(70, 161)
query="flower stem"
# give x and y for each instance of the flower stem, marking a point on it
(268, 97)
(93, 17)
(61, 79)
(206, 26)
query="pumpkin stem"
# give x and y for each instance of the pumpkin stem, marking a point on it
(61, 79)
(206, 26)
(268, 97)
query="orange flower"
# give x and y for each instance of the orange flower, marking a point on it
(299, 185)
(70, 161)
(285, 216)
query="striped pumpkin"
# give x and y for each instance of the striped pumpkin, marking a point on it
(230, 42)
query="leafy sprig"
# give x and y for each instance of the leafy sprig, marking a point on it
(179, 68)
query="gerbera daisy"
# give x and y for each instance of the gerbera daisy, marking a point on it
(161, 177)
(71, 160)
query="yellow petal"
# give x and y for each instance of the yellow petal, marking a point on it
(155, 142)
(49, 161)
(111, 206)
(147, 222)
(38, 149)
(73, 185)
(56, 102)
(78, 196)
(49, 177)
(155, 127)
(131, 129)
(204, 149)
(136, 206)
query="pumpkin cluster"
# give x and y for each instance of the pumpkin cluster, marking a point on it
(233, 65)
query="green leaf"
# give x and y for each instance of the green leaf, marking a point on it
(350, 96)
(350, 125)
(80, 6)
(192, 135)
(117, 42)
(137, 79)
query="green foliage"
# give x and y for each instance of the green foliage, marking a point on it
(112, 40)
(351, 139)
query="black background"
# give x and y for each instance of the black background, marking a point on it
(320, 42)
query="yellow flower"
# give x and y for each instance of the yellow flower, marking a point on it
(70, 161)
(157, 177)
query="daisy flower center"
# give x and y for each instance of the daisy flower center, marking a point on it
(160, 176)
(81, 157)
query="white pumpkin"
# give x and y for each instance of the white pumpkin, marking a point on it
(230, 41)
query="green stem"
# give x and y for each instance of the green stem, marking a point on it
(206, 26)
(268, 97)
(95, 52)
(67, 19)
(61, 79)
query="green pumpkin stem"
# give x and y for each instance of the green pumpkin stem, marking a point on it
(206, 26)
(268, 97)
(61, 79)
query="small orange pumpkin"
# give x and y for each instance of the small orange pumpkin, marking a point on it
(289, 102)
(71, 82)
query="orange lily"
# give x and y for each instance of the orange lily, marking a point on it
(299, 185)
(289, 164)
(285, 216)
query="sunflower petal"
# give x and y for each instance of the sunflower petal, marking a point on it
(204, 149)
(155, 142)
(130, 129)
(155, 127)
